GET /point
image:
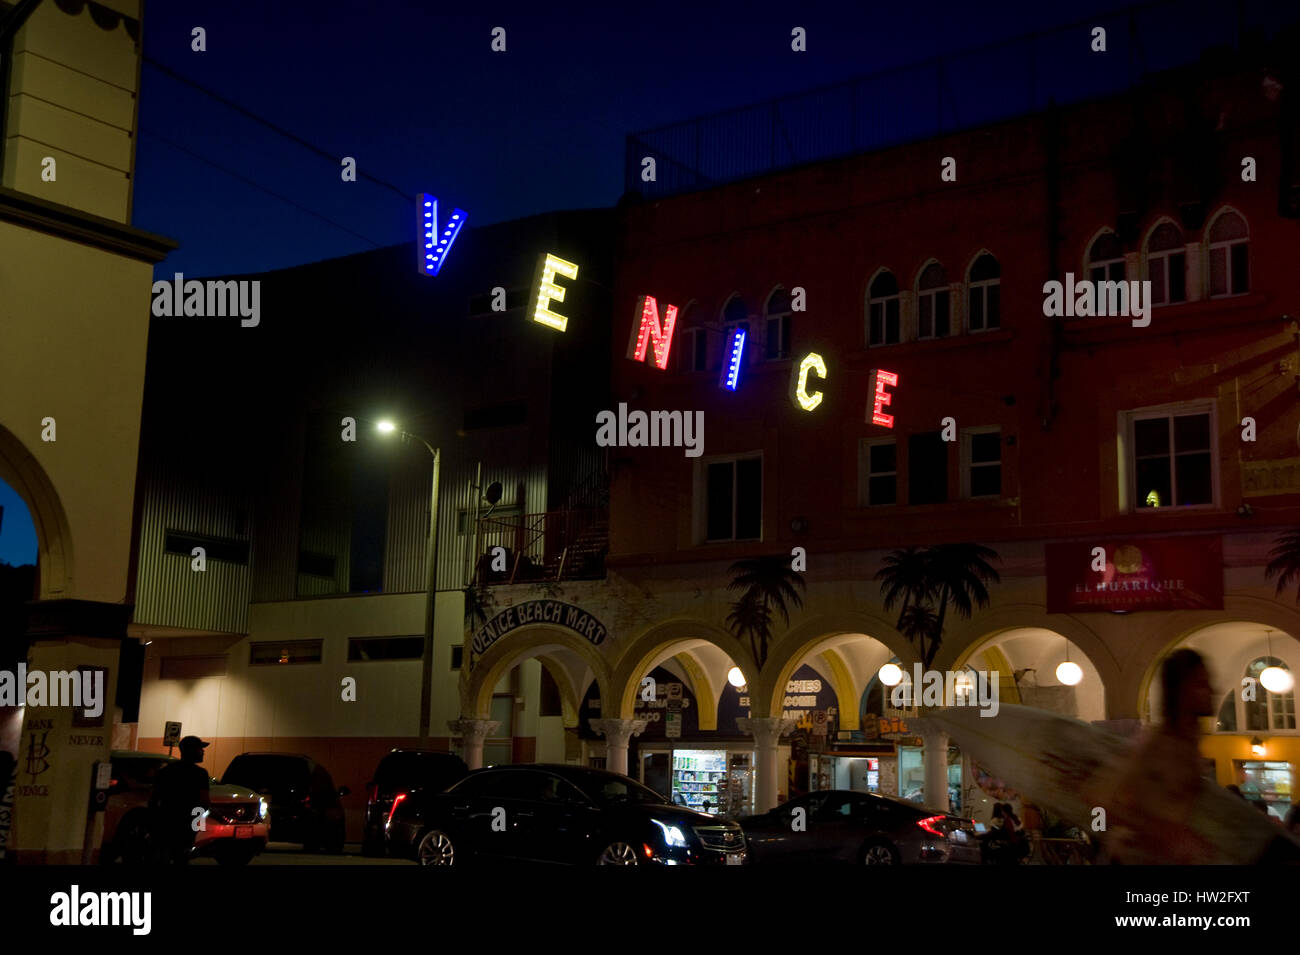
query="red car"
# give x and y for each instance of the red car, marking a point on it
(234, 830)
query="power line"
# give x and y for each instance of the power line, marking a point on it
(229, 172)
(243, 111)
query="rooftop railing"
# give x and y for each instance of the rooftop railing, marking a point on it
(959, 91)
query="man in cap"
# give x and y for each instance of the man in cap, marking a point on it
(179, 803)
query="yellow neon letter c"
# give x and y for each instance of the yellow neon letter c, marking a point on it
(811, 362)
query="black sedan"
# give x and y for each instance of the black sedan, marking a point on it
(861, 828)
(557, 813)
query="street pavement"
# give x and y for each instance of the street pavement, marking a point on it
(287, 853)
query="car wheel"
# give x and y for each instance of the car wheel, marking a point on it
(131, 842)
(234, 856)
(618, 853)
(334, 846)
(436, 849)
(879, 853)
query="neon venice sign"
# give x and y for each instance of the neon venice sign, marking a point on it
(649, 330)
(651, 341)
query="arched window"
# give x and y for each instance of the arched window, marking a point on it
(1229, 242)
(1106, 259)
(777, 331)
(883, 310)
(692, 351)
(1268, 711)
(1167, 265)
(735, 314)
(984, 309)
(1227, 721)
(934, 310)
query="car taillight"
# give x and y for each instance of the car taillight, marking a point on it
(396, 802)
(930, 822)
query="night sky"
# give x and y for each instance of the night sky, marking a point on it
(419, 99)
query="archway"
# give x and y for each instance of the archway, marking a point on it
(29, 481)
(674, 724)
(520, 702)
(1251, 737)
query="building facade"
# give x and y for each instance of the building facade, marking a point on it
(74, 290)
(1131, 471)
(304, 629)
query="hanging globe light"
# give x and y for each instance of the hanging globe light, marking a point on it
(890, 674)
(735, 677)
(1277, 679)
(1069, 673)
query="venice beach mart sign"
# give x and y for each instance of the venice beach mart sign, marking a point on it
(555, 613)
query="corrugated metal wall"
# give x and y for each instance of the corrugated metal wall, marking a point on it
(276, 515)
(168, 592)
(409, 510)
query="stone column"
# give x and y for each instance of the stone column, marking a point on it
(617, 733)
(474, 732)
(767, 732)
(935, 761)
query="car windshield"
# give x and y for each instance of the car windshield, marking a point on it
(610, 789)
(264, 772)
(398, 770)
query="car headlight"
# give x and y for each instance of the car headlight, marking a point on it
(263, 807)
(672, 835)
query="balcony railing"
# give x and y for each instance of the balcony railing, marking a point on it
(550, 546)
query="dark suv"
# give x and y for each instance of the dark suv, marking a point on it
(305, 805)
(398, 775)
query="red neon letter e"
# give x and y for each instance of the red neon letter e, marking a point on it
(879, 379)
(647, 327)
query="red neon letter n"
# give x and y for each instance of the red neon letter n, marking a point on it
(649, 329)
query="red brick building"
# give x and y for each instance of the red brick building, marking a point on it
(1071, 432)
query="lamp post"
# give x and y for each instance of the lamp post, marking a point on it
(431, 578)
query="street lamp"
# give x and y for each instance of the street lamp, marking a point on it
(431, 576)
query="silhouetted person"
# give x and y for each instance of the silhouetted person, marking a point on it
(1151, 810)
(179, 788)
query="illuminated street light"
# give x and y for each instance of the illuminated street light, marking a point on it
(385, 426)
(735, 677)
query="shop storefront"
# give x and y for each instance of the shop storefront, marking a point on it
(707, 770)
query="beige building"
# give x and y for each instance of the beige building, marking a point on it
(74, 298)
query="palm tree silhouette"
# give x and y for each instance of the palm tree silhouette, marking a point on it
(767, 584)
(1284, 562)
(928, 581)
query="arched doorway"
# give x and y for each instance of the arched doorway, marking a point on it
(1252, 738)
(519, 700)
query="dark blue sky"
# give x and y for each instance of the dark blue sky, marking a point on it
(416, 95)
